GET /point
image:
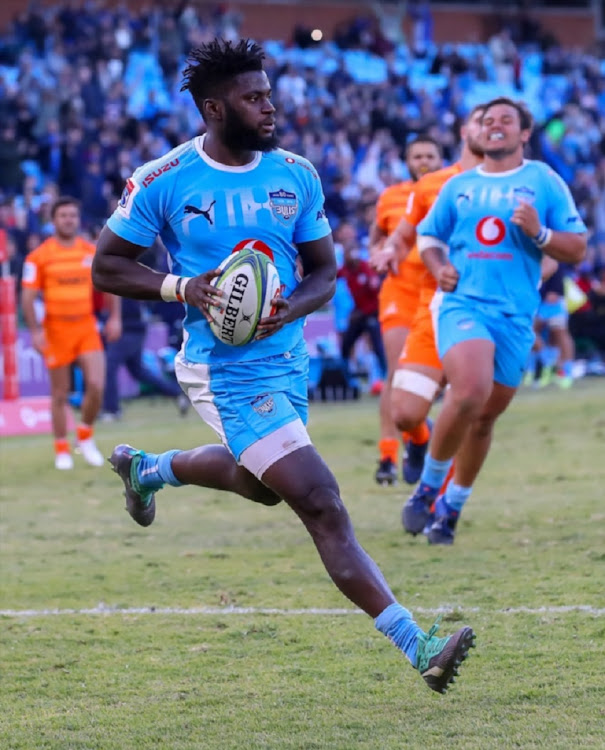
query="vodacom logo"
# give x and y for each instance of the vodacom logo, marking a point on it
(31, 416)
(490, 230)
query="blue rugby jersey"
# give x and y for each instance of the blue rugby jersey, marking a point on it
(203, 210)
(499, 265)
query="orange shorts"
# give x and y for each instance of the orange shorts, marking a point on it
(420, 347)
(67, 339)
(396, 305)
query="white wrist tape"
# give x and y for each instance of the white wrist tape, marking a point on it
(543, 237)
(173, 288)
(424, 242)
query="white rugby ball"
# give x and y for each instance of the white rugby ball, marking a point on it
(249, 281)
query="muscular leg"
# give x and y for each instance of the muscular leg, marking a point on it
(473, 451)
(305, 482)
(214, 467)
(393, 340)
(469, 367)
(93, 370)
(470, 372)
(60, 381)
(308, 486)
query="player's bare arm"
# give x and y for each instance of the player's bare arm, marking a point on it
(113, 326)
(116, 269)
(316, 288)
(565, 247)
(28, 298)
(434, 257)
(376, 239)
(395, 248)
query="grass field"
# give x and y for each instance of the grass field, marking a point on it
(218, 628)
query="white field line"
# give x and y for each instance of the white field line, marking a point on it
(104, 609)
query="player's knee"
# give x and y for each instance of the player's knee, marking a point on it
(483, 426)
(323, 508)
(60, 398)
(407, 416)
(94, 389)
(412, 394)
(471, 396)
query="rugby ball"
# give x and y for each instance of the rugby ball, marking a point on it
(249, 281)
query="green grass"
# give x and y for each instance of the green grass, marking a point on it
(530, 553)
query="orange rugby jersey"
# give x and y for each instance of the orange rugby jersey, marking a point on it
(63, 276)
(420, 200)
(391, 206)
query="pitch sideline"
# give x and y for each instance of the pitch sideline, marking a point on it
(103, 609)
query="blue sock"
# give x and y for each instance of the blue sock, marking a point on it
(399, 626)
(165, 468)
(155, 470)
(434, 472)
(456, 496)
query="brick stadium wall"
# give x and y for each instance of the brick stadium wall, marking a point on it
(461, 23)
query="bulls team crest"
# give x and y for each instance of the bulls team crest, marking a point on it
(283, 204)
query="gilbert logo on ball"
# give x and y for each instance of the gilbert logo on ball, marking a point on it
(249, 281)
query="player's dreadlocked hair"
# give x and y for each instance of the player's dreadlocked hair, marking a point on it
(211, 67)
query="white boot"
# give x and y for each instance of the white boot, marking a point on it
(64, 461)
(90, 453)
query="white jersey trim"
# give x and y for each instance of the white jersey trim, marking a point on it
(483, 173)
(199, 147)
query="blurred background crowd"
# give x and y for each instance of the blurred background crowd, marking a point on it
(89, 92)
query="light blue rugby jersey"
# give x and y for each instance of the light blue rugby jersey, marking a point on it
(202, 210)
(498, 264)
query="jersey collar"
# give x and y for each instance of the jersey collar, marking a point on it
(199, 147)
(508, 172)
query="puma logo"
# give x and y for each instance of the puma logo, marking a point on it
(205, 212)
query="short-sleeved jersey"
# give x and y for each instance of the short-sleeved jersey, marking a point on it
(62, 274)
(499, 265)
(422, 197)
(392, 205)
(203, 210)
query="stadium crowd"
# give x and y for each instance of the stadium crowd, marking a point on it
(88, 92)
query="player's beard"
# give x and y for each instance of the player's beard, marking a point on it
(65, 236)
(237, 136)
(502, 152)
(475, 148)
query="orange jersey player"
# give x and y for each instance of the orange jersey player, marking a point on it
(399, 292)
(59, 271)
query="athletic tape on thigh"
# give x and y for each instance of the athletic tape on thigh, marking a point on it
(416, 383)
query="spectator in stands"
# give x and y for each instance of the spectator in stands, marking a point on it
(364, 284)
(73, 77)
